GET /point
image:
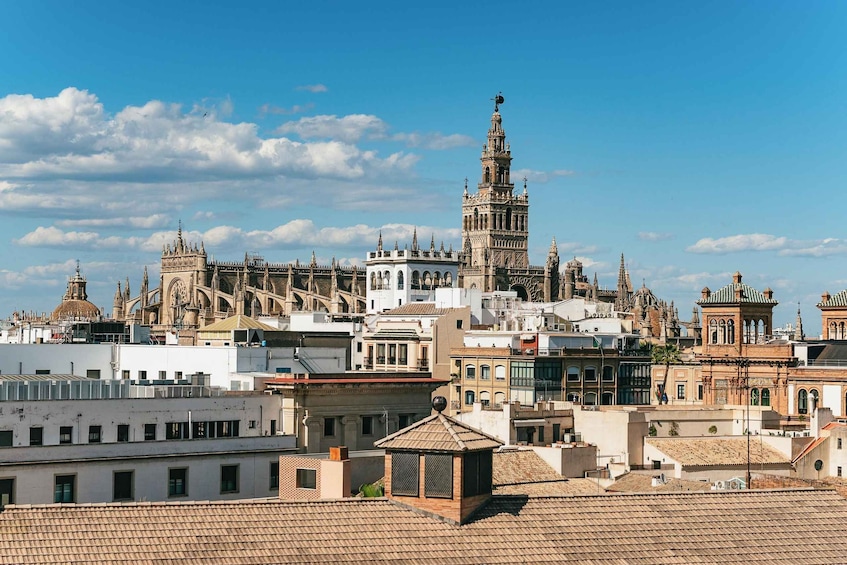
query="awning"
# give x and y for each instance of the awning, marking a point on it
(529, 423)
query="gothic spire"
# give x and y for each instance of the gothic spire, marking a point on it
(432, 243)
(415, 240)
(554, 249)
(798, 326)
(379, 242)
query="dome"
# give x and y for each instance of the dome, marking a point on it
(75, 309)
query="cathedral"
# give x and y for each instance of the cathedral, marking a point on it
(194, 291)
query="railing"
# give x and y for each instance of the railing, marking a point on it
(825, 363)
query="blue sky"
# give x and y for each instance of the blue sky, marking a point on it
(696, 138)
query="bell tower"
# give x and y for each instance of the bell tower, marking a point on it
(495, 220)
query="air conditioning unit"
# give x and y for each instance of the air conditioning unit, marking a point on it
(720, 485)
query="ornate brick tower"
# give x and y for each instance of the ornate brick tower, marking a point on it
(495, 221)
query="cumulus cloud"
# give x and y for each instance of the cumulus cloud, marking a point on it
(349, 129)
(297, 233)
(146, 222)
(817, 248)
(654, 236)
(736, 243)
(434, 140)
(541, 177)
(266, 109)
(314, 88)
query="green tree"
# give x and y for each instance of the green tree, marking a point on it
(666, 355)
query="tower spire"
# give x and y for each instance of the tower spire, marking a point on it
(798, 326)
(415, 240)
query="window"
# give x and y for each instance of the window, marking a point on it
(700, 392)
(149, 432)
(403, 353)
(94, 433)
(123, 432)
(477, 474)
(125, 374)
(199, 430)
(557, 432)
(802, 402)
(251, 424)
(229, 478)
(122, 485)
(92, 373)
(438, 475)
(459, 324)
(5, 438)
(608, 374)
(500, 372)
(64, 489)
(766, 397)
(470, 372)
(66, 434)
(839, 443)
(178, 482)
(36, 436)
(469, 397)
(590, 374)
(7, 492)
(838, 471)
(405, 473)
(42, 371)
(176, 430)
(367, 425)
(680, 391)
(392, 354)
(573, 374)
(406, 420)
(307, 478)
(485, 372)
(226, 428)
(274, 475)
(142, 375)
(329, 427)
(178, 375)
(540, 434)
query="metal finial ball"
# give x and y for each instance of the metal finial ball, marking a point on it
(439, 403)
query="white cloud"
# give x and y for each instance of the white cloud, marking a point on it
(314, 88)
(540, 177)
(266, 109)
(146, 222)
(349, 129)
(819, 248)
(654, 236)
(54, 237)
(434, 140)
(736, 243)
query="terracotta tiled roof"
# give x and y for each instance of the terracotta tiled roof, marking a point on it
(237, 322)
(634, 482)
(774, 527)
(837, 299)
(726, 295)
(524, 472)
(438, 433)
(417, 309)
(717, 451)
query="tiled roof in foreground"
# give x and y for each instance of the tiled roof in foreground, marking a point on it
(774, 527)
(839, 299)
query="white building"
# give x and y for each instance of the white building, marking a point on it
(399, 276)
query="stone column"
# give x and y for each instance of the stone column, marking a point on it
(351, 432)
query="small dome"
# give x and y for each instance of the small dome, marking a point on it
(75, 309)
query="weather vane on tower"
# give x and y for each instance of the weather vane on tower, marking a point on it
(497, 101)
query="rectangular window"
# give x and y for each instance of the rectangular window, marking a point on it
(608, 374)
(226, 428)
(274, 475)
(407, 420)
(149, 432)
(699, 391)
(307, 478)
(176, 430)
(458, 324)
(229, 478)
(838, 472)
(94, 434)
(392, 354)
(438, 475)
(178, 375)
(64, 490)
(557, 432)
(123, 432)
(7, 492)
(485, 372)
(199, 430)
(839, 443)
(477, 473)
(178, 482)
(92, 373)
(142, 375)
(329, 427)
(590, 375)
(42, 371)
(251, 424)
(573, 375)
(358, 347)
(405, 473)
(367, 425)
(380, 353)
(470, 372)
(125, 374)
(540, 434)
(680, 391)
(122, 487)
(66, 434)
(163, 375)
(403, 354)
(5, 438)
(36, 436)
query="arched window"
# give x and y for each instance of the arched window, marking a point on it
(500, 372)
(486, 176)
(813, 397)
(485, 398)
(766, 397)
(470, 372)
(476, 218)
(754, 397)
(591, 398)
(499, 399)
(573, 397)
(573, 374)
(427, 280)
(485, 372)
(730, 331)
(508, 218)
(436, 279)
(386, 280)
(416, 280)
(469, 397)
(608, 399)
(399, 280)
(373, 281)
(448, 279)
(713, 332)
(802, 402)
(722, 334)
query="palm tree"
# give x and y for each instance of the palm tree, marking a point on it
(666, 355)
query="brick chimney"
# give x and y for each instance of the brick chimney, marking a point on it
(768, 293)
(440, 466)
(705, 293)
(825, 297)
(315, 478)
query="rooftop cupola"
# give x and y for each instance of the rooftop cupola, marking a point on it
(440, 466)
